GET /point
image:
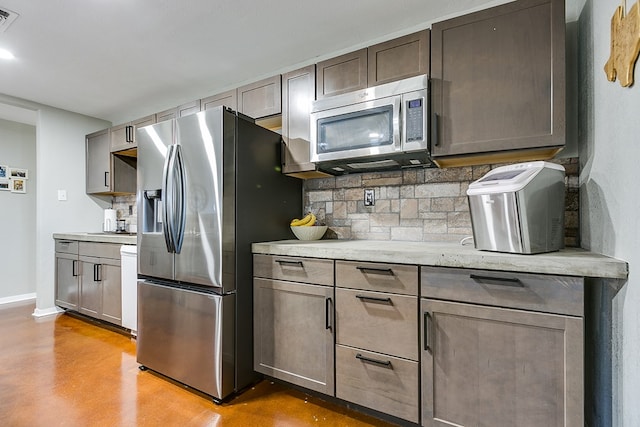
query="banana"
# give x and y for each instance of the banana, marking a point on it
(311, 222)
(303, 221)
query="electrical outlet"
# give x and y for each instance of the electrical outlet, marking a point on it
(369, 197)
(62, 195)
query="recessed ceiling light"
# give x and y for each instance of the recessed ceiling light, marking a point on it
(5, 54)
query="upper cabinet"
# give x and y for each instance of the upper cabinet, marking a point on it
(228, 99)
(399, 58)
(298, 92)
(107, 173)
(386, 62)
(123, 137)
(498, 84)
(98, 162)
(180, 111)
(261, 99)
(345, 73)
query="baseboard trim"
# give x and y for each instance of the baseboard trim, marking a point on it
(18, 298)
(42, 312)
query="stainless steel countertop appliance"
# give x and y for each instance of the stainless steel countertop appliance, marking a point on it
(519, 208)
(209, 184)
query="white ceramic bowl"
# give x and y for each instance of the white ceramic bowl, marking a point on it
(313, 232)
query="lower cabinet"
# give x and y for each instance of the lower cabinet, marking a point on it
(378, 381)
(495, 366)
(293, 324)
(88, 279)
(376, 337)
(101, 289)
(434, 346)
(67, 274)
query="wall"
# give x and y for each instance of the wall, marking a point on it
(18, 214)
(414, 205)
(609, 152)
(60, 155)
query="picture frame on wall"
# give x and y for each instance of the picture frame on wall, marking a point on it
(4, 171)
(5, 185)
(19, 173)
(18, 185)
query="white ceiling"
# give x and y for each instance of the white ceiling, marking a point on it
(123, 59)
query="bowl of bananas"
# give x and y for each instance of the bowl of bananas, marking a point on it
(307, 228)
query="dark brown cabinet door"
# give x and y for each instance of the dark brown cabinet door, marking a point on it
(90, 287)
(498, 80)
(342, 74)
(111, 309)
(293, 333)
(261, 99)
(229, 99)
(499, 367)
(399, 58)
(98, 162)
(67, 275)
(298, 92)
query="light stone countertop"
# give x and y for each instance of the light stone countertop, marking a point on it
(567, 262)
(123, 239)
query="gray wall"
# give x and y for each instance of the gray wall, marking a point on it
(61, 166)
(609, 146)
(18, 214)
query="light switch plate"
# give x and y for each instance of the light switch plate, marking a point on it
(62, 195)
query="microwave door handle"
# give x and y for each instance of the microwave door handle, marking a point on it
(398, 122)
(436, 136)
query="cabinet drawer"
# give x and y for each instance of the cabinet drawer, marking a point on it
(376, 321)
(102, 250)
(545, 293)
(378, 381)
(393, 278)
(297, 269)
(67, 246)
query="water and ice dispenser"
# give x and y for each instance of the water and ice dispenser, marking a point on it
(152, 211)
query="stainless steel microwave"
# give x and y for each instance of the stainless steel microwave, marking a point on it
(371, 128)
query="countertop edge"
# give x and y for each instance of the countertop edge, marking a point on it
(566, 262)
(98, 237)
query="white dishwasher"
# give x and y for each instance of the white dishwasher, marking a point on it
(129, 268)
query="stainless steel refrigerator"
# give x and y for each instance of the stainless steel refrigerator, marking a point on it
(209, 185)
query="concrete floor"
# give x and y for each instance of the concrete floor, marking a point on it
(64, 371)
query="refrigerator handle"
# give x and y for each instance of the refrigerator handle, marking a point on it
(179, 207)
(167, 196)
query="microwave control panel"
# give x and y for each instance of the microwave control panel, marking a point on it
(414, 120)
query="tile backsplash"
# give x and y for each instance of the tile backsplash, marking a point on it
(413, 205)
(125, 207)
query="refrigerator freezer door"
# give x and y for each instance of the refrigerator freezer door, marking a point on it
(188, 336)
(154, 259)
(200, 137)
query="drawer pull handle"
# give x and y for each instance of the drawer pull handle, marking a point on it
(287, 262)
(327, 313)
(375, 299)
(386, 363)
(376, 270)
(504, 281)
(74, 268)
(427, 325)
